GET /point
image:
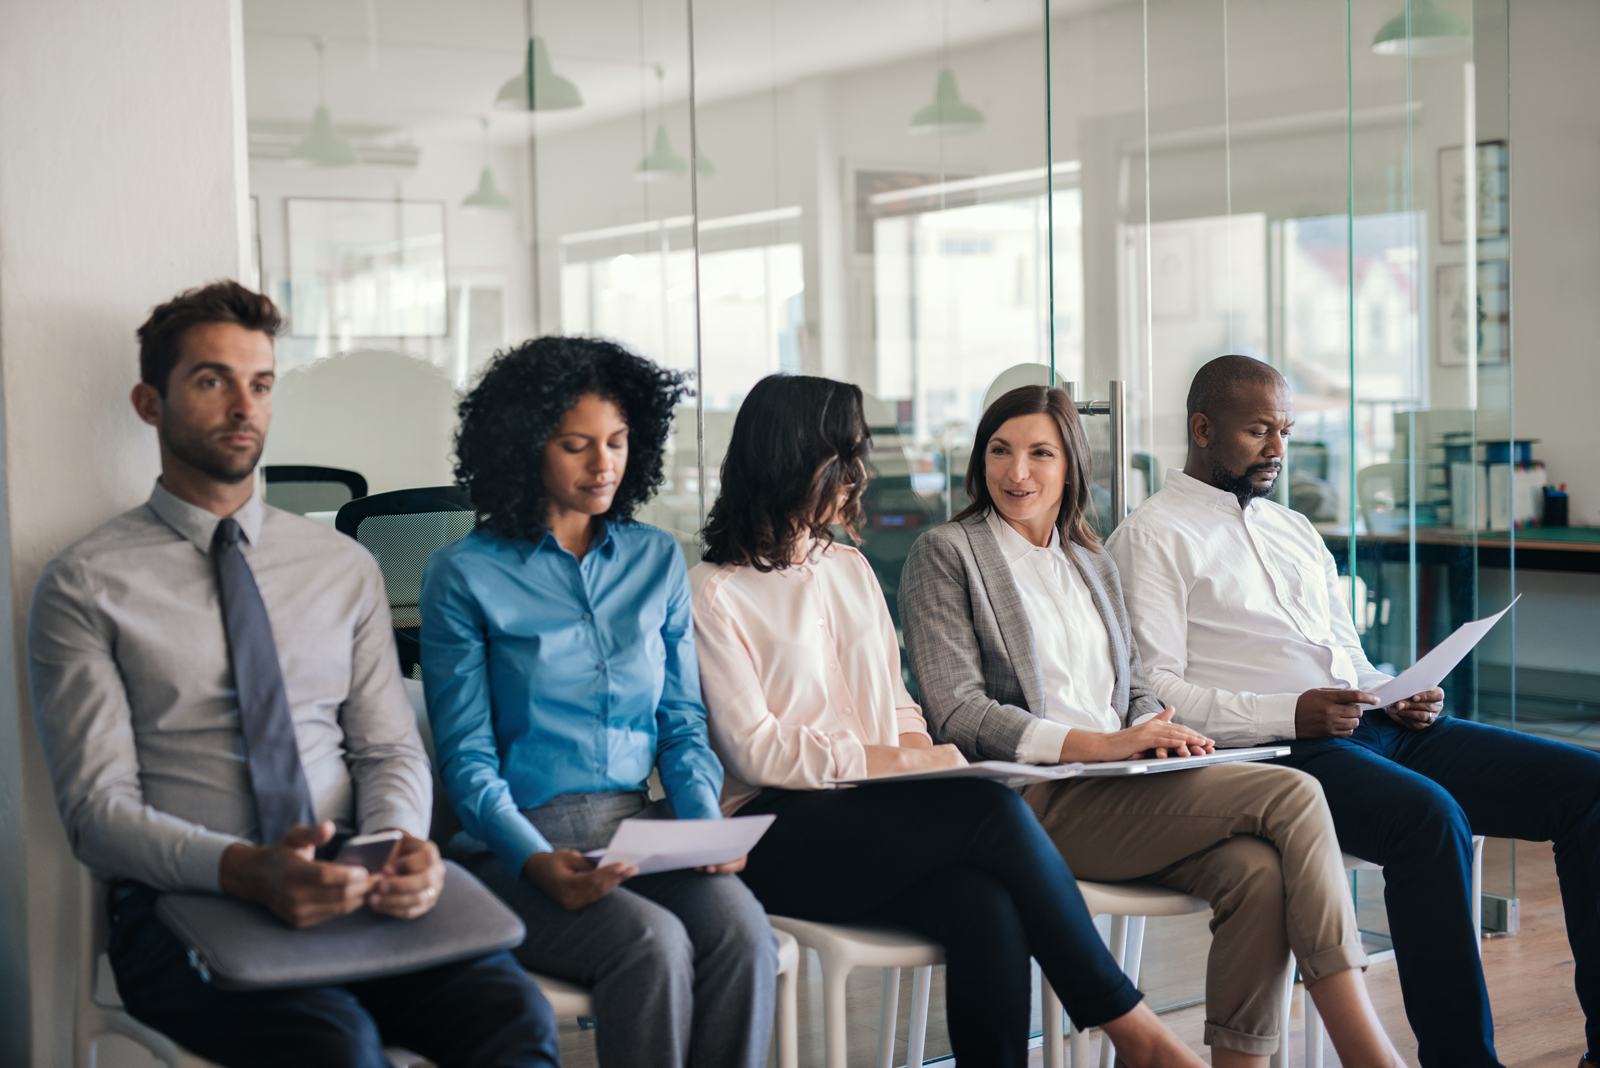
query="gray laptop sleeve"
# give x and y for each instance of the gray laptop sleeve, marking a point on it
(242, 946)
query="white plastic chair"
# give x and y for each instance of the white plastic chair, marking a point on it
(569, 999)
(841, 948)
(1314, 1028)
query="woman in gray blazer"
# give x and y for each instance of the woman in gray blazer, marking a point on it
(1017, 635)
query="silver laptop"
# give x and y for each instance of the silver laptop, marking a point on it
(1145, 767)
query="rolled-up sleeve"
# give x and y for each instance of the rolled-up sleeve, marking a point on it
(394, 783)
(751, 741)
(455, 678)
(86, 724)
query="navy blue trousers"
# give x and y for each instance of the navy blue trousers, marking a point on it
(482, 1013)
(962, 862)
(1411, 801)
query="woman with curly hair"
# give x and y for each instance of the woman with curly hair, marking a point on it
(801, 673)
(559, 664)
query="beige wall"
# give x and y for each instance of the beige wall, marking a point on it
(120, 183)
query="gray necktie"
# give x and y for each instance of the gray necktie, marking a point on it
(270, 751)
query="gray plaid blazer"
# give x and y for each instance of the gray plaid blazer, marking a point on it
(971, 647)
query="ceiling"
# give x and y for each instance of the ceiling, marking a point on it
(434, 66)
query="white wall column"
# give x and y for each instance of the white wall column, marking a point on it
(122, 181)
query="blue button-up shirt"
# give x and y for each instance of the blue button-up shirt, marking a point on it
(547, 675)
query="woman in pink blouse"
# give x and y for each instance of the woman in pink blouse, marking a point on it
(800, 673)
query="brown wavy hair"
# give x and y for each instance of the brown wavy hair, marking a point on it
(799, 443)
(1072, 521)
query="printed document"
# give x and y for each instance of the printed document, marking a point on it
(1438, 662)
(998, 770)
(667, 845)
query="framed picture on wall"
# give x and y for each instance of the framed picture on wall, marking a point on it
(1493, 317)
(1494, 209)
(366, 268)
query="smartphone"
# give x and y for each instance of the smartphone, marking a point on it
(369, 851)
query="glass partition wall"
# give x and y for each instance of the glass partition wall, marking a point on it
(933, 199)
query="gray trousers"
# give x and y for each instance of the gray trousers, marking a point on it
(682, 965)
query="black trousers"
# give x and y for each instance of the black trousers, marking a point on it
(962, 862)
(480, 1013)
(1411, 801)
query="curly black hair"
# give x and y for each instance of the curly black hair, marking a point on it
(517, 404)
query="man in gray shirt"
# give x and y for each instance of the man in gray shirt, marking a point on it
(216, 686)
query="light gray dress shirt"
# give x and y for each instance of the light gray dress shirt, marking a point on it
(133, 689)
(1237, 610)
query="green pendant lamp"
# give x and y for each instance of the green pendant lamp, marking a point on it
(323, 146)
(487, 197)
(1432, 32)
(948, 114)
(538, 87)
(661, 162)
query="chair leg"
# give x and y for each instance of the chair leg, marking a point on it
(917, 1035)
(1477, 890)
(833, 1013)
(888, 1017)
(1314, 1035)
(1135, 950)
(1119, 953)
(788, 1021)
(1080, 1047)
(1280, 1059)
(1050, 1025)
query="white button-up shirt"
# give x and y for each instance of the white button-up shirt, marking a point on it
(1070, 641)
(1236, 610)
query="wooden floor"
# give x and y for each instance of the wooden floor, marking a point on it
(1538, 1023)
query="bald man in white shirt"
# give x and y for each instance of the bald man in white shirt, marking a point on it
(1235, 605)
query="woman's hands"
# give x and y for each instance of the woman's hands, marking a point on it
(896, 759)
(572, 879)
(1158, 737)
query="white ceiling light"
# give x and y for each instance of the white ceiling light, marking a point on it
(487, 197)
(538, 87)
(323, 146)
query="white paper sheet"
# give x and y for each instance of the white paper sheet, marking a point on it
(998, 770)
(1438, 662)
(667, 845)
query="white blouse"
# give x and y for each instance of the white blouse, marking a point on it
(1069, 638)
(799, 670)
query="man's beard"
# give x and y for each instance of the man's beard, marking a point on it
(198, 451)
(1242, 484)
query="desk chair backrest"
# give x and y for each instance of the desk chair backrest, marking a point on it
(301, 489)
(402, 529)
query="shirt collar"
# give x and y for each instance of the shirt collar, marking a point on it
(606, 545)
(1013, 546)
(1188, 486)
(198, 526)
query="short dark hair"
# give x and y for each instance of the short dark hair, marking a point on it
(508, 417)
(798, 443)
(225, 301)
(1214, 384)
(1072, 520)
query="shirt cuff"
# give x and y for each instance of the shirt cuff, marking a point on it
(201, 866)
(849, 756)
(1275, 713)
(514, 839)
(1042, 741)
(399, 817)
(1146, 718)
(697, 802)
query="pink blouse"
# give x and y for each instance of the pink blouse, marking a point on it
(799, 669)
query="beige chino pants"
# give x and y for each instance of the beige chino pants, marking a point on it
(1255, 841)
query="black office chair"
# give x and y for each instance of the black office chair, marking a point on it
(402, 529)
(301, 489)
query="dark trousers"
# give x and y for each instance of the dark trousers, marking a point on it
(1411, 801)
(963, 863)
(483, 1013)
